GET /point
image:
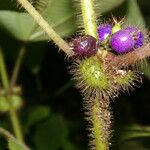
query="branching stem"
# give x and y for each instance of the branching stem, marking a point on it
(12, 112)
(45, 26)
(17, 68)
(11, 137)
(89, 18)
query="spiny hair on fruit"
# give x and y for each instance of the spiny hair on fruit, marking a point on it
(98, 79)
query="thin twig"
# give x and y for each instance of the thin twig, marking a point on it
(13, 115)
(63, 45)
(3, 72)
(10, 136)
(17, 68)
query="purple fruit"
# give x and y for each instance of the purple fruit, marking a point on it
(137, 35)
(85, 45)
(104, 30)
(122, 41)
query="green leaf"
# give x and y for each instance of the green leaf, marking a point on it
(107, 5)
(132, 137)
(58, 13)
(134, 15)
(134, 145)
(14, 146)
(135, 131)
(37, 114)
(51, 134)
(69, 146)
(17, 24)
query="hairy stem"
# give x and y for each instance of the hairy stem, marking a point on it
(99, 141)
(45, 26)
(10, 136)
(89, 18)
(130, 58)
(12, 112)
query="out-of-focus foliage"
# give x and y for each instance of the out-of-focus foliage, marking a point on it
(13, 145)
(52, 115)
(133, 12)
(21, 25)
(51, 133)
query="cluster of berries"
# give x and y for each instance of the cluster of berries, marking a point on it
(119, 40)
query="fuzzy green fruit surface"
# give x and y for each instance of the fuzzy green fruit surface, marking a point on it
(124, 77)
(92, 73)
(16, 101)
(4, 106)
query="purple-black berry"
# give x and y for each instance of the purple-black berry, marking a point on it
(137, 35)
(104, 30)
(85, 46)
(122, 41)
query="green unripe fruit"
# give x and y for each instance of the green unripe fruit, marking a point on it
(127, 79)
(92, 73)
(4, 106)
(16, 101)
(99, 79)
(124, 77)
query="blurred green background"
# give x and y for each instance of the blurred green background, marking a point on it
(52, 116)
